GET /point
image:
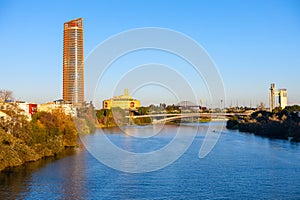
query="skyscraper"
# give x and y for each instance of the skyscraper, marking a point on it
(73, 62)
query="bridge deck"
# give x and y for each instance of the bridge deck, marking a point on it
(185, 115)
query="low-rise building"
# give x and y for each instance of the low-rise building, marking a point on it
(20, 107)
(27, 109)
(62, 105)
(124, 101)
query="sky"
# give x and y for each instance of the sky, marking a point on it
(252, 44)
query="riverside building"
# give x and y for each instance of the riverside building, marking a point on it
(282, 97)
(73, 62)
(124, 101)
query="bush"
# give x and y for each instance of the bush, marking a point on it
(45, 135)
(232, 124)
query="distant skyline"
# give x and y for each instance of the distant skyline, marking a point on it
(253, 43)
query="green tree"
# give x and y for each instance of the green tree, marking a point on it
(173, 109)
(277, 110)
(102, 116)
(118, 116)
(88, 113)
(290, 109)
(111, 117)
(143, 110)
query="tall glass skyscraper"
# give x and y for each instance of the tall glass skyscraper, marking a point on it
(73, 62)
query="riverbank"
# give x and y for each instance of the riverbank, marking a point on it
(281, 125)
(47, 134)
(14, 153)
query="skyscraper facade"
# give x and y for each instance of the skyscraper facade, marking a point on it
(73, 62)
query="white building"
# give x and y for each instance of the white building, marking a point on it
(282, 97)
(61, 105)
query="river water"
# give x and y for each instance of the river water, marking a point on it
(240, 166)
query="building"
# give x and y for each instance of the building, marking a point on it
(73, 62)
(124, 101)
(20, 107)
(282, 97)
(58, 105)
(27, 109)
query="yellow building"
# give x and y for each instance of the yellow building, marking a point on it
(124, 101)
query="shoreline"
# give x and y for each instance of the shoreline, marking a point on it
(284, 125)
(41, 161)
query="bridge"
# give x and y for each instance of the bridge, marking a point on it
(173, 116)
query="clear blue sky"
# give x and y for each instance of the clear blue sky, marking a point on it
(253, 43)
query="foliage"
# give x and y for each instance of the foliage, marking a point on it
(157, 109)
(143, 110)
(280, 124)
(81, 126)
(261, 114)
(5, 95)
(88, 113)
(116, 116)
(173, 109)
(232, 123)
(45, 135)
(290, 109)
(277, 110)
(102, 116)
(143, 120)
(111, 117)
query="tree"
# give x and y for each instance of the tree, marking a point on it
(143, 110)
(111, 117)
(277, 110)
(6, 95)
(118, 116)
(88, 113)
(261, 106)
(102, 116)
(173, 109)
(290, 109)
(163, 106)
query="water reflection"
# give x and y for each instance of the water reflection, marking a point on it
(73, 179)
(241, 166)
(16, 182)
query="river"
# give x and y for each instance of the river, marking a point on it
(240, 166)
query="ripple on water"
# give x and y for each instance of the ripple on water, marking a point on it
(241, 166)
